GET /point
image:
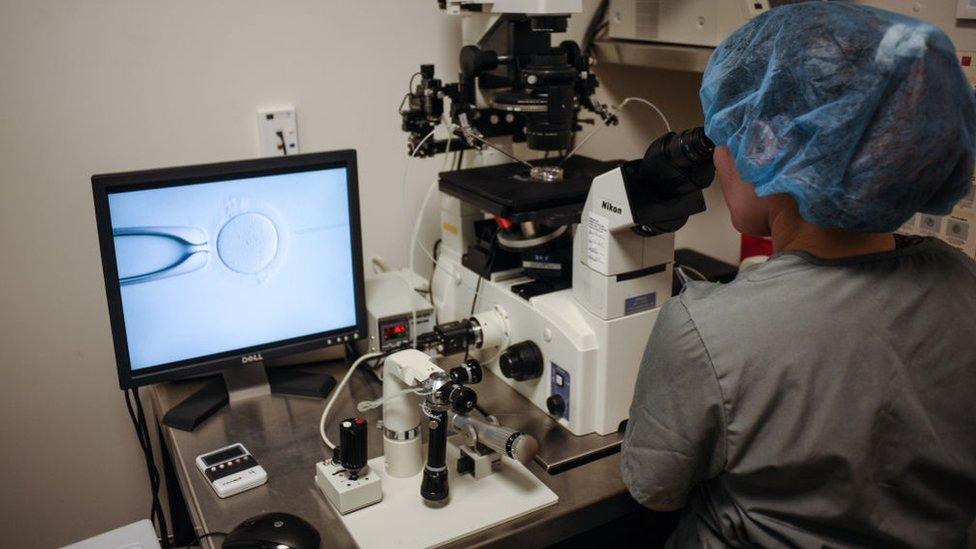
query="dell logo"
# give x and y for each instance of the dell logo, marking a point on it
(611, 207)
(247, 359)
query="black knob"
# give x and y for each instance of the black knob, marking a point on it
(474, 61)
(462, 399)
(433, 486)
(352, 444)
(465, 465)
(556, 405)
(521, 361)
(468, 372)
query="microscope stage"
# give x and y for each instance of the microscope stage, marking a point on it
(507, 191)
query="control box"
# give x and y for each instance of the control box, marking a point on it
(391, 298)
(231, 470)
(347, 494)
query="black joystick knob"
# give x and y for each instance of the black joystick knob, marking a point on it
(521, 361)
(556, 405)
(468, 372)
(352, 444)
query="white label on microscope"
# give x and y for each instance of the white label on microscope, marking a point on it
(597, 242)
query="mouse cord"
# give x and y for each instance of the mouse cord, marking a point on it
(198, 541)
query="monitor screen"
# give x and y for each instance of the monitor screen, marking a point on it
(216, 267)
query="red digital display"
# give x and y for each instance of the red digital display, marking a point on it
(393, 331)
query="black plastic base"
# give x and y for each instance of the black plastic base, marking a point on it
(528, 290)
(199, 406)
(196, 408)
(287, 381)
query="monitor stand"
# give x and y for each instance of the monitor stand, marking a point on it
(238, 384)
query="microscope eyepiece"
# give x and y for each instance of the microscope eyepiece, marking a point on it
(678, 163)
(690, 147)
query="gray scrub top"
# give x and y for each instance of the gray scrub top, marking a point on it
(814, 403)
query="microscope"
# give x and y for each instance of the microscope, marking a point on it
(551, 271)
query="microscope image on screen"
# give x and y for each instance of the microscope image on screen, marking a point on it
(208, 267)
(249, 243)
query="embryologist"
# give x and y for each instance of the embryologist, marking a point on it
(825, 397)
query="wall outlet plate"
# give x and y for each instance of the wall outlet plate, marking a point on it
(277, 132)
(345, 494)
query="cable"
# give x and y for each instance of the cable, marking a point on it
(430, 281)
(581, 143)
(197, 540)
(335, 395)
(692, 270)
(414, 242)
(623, 104)
(367, 405)
(410, 84)
(620, 107)
(138, 416)
(142, 433)
(485, 272)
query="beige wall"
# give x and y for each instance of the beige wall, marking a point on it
(101, 86)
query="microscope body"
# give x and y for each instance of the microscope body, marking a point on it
(575, 352)
(588, 252)
(618, 270)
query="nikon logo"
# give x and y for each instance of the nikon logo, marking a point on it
(610, 207)
(247, 359)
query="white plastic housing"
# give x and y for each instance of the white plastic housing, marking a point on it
(342, 492)
(401, 415)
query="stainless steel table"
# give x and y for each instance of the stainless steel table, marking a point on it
(282, 433)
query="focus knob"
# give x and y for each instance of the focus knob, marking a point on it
(521, 361)
(474, 61)
(556, 405)
(462, 399)
(468, 372)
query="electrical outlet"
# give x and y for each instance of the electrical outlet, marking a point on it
(277, 132)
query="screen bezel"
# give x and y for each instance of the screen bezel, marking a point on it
(105, 184)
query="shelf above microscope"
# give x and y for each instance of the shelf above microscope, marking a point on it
(652, 55)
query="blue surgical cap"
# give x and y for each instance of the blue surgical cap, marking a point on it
(862, 115)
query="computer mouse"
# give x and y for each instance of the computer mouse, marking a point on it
(273, 531)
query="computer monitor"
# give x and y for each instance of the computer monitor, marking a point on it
(219, 265)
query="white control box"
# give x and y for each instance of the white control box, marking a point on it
(347, 494)
(231, 470)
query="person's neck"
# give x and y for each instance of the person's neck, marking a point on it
(791, 232)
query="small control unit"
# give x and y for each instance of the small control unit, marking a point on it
(231, 470)
(346, 479)
(391, 302)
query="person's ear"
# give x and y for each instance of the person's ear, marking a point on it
(748, 212)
